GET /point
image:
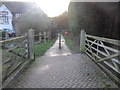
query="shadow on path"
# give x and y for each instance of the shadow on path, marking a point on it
(60, 69)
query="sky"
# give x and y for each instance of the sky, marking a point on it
(51, 7)
(56, 7)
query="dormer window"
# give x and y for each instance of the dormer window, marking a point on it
(4, 17)
(17, 15)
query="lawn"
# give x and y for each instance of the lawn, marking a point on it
(41, 48)
(71, 44)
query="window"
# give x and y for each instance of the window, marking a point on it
(17, 15)
(4, 17)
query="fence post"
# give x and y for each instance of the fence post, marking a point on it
(26, 43)
(59, 41)
(6, 35)
(40, 35)
(31, 44)
(45, 37)
(48, 36)
(82, 41)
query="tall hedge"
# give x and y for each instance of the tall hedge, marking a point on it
(96, 18)
(36, 20)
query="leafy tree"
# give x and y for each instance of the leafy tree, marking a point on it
(99, 19)
(36, 20)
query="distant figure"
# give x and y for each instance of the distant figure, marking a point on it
(66, 33)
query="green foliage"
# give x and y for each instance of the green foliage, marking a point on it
(72, 46)
(41, 48)
(36, 20)
(99, 19)
(107, 86)
(59, 23)
(95, 18)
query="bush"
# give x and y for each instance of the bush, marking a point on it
(99, 19)
(36, 20)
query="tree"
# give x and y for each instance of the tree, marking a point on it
(36, 20)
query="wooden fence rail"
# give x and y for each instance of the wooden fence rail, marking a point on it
(16, 53)
(3, 35)
(13, 55)
(42, 37)
(105, 52)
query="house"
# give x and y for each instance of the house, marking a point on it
(5, 17)
(12, 10)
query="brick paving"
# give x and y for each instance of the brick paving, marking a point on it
(63, 71)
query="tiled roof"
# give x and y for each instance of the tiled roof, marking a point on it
(19, 7)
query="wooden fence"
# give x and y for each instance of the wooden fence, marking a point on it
(42, 37)
(0, 35)
(16, 53)
(105, 52)
(3, 35)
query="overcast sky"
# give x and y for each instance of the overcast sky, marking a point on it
(56, 7)
(50, 7)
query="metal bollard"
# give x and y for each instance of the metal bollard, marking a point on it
(59, 41)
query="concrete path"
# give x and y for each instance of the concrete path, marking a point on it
(59, 69)
(55, 51)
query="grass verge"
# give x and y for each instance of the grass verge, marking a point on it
(41, 48)
(71, 44)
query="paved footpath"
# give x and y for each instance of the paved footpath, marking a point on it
(59, 69)
(55, 51)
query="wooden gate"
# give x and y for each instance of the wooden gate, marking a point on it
(15, 54)
(105, 52)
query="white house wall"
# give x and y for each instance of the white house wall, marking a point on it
(9, 26)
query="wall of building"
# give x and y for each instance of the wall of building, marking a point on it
(3, 25)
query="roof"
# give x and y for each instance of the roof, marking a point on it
(19, 7)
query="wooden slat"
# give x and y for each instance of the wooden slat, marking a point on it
(38, 35)
(106, 47)
(15, 47)
(37, 42)
(8, 60)
(8, 74)
(112, 41)
(15, 68)
(9, 40)
(89, 46)
(116, 60)
(111, 66)
(89, 55)
(93, 53)
(116, 78)
(108, 57)
(104, 54)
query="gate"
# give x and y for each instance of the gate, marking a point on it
(104, 51)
